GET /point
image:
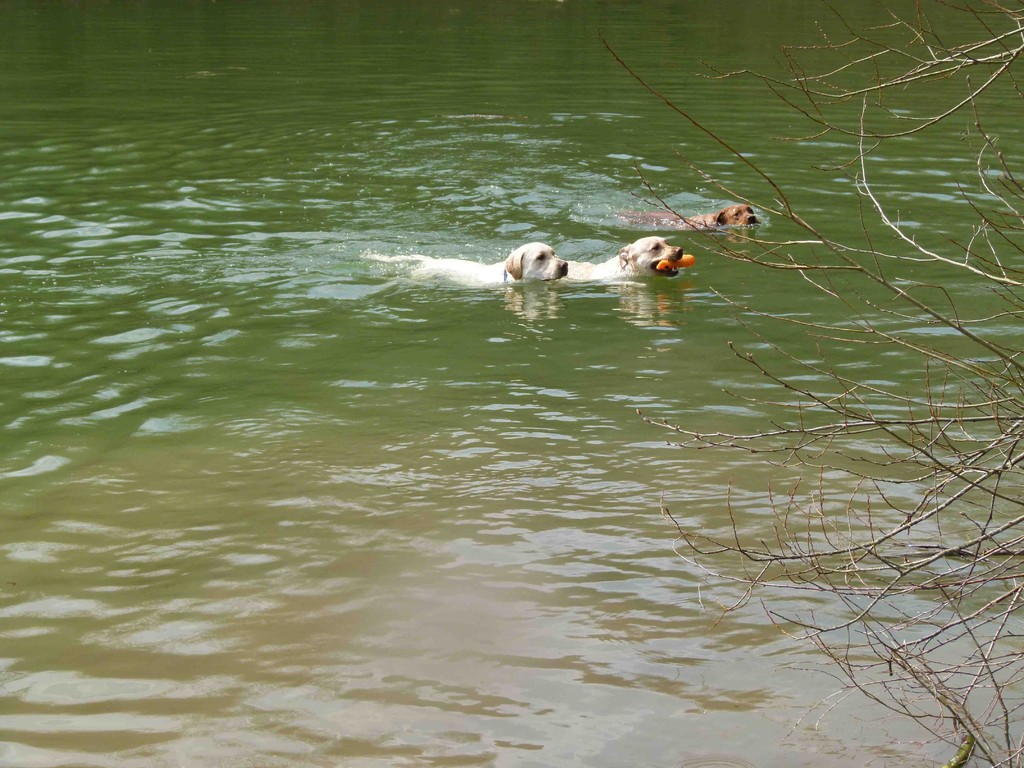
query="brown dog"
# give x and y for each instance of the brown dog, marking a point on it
(730, 216)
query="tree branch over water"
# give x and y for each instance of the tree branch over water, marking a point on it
(908, 510)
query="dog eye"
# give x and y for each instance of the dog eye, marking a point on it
(541, 256)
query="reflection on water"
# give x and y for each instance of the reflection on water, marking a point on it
(437, 586)
(266, 502)
(641, 303)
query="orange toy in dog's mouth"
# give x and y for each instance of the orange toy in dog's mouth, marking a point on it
(671, 265)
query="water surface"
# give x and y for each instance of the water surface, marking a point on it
(266, 501)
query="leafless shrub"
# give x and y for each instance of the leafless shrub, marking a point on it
(924, 560)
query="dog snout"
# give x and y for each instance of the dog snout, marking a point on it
(563, 268)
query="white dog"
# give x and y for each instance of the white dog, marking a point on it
(647, 256)
(533, 261)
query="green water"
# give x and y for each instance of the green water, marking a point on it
(266, 501)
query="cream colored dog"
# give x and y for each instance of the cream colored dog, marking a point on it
(533, 261)
(648, 256)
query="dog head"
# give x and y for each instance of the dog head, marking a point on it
(736, 216)
(653, 256)
(535, 261)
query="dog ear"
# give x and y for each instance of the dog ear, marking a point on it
(624, 253)
(722, 217)
(514, 264)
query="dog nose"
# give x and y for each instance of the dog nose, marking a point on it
(563, 268)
